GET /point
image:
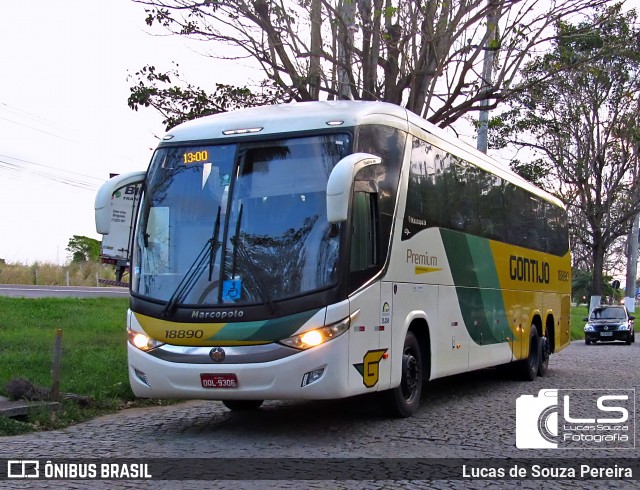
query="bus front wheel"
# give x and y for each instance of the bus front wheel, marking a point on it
(404, 400)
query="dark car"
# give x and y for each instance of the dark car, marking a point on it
(608, 323)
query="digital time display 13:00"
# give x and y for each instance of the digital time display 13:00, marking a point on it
(195, 156)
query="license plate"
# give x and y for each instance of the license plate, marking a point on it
(228, 380)
(606, 334)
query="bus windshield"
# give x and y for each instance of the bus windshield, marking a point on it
(238, 223)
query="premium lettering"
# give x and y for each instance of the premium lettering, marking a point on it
(421, 259)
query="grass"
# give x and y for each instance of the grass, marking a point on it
(578, 313)
(46, 274)
(93, 355)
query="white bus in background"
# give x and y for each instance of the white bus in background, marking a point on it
(329, 249)
(114, 249)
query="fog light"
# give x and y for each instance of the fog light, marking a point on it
(141, 376)
(312, 377)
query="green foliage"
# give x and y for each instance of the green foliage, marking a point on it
(83, 249)
(182, 101)
(581, 286)
(579, 116)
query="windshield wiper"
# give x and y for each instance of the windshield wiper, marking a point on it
(258, 278)
(195, 270)
(253, 269)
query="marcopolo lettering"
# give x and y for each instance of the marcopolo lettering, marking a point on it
(217, 315)
(529, 270)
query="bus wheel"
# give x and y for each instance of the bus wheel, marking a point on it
(545, 352)
(242, 405)
(528, 368)
(404, 400)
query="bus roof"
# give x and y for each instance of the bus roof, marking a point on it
(286, 118)
(306, 116)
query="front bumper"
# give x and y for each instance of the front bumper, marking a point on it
(152, 377)
(609, 336)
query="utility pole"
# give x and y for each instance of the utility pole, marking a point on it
(487, 67)
(632, 265)
(632, 244)
(347, 9)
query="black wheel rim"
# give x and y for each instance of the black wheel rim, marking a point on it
(410, 375)
(534, 354)
(545, 350)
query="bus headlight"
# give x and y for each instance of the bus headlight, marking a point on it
(312, 338)
(142, 341)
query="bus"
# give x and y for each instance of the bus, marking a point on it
(322, 250)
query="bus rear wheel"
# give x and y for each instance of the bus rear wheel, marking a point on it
(528, 368)
(404, 400)
(545, 352)
(242, 405)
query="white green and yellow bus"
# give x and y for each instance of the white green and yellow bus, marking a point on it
(329, 249)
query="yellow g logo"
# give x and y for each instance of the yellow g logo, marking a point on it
(369, 368)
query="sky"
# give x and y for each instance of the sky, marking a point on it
(64, 120)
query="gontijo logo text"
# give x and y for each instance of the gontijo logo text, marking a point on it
(529, 270)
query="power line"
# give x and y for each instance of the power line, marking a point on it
(54, 168)
(15, 168)
(78, 137)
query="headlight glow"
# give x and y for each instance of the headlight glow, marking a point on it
(312, 338)
(589, 328)
(623, 326)
(142, 341)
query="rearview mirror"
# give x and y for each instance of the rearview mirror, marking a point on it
(340, 184)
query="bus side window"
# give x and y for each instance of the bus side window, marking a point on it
(364, 240)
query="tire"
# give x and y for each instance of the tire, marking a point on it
(403, 401)
(586, 341)
(528, 368)
(545, 352)
(628, 341)
(242, 405)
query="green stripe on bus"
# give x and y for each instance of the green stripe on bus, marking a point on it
(478, 287)
(264, 331)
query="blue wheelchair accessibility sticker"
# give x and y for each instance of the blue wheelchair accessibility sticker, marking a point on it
(231, 290)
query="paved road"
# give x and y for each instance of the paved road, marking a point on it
(26, 291)
(467, 416)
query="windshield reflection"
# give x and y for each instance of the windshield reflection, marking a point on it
(271, 239)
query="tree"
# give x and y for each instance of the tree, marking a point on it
(584, 130)
(83, 249)
(183, 102)
(424, 55)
